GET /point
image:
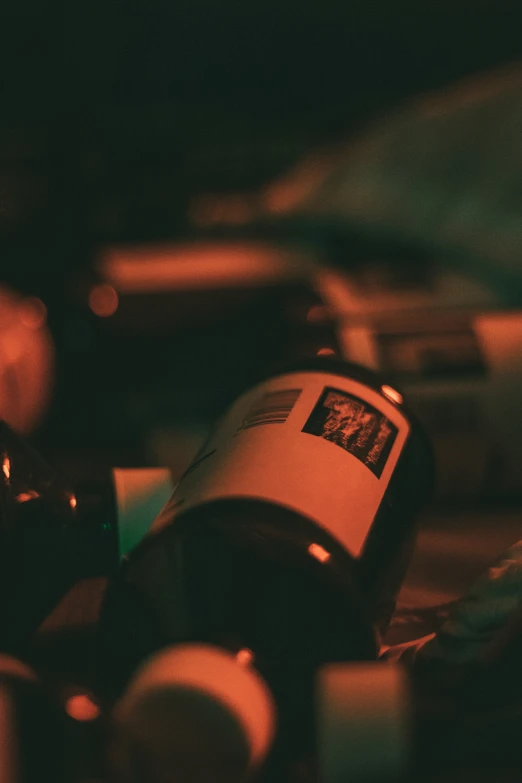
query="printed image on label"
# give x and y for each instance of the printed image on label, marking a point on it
(355, 426)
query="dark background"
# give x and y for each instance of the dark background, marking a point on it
(115, 114)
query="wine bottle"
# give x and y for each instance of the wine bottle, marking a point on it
(288, 536)
(53, 533)
(192, 713)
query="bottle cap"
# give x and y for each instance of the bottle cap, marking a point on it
(196, 710)
(141, 493)
(363, 727)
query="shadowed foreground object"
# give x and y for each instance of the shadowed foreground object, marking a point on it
(26, 360)
(32, 728)
(192, 714)
(381, 722)
(54, 533)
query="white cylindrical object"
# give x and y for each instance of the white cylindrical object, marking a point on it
(363, 729)
(210, 672)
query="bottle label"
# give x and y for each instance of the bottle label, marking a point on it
(319, 444)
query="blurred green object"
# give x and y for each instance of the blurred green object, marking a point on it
(441, 174)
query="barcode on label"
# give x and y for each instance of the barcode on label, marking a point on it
(272, 408)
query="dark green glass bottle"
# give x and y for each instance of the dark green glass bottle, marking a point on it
(288, 536)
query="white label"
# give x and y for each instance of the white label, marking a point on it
(320, 444)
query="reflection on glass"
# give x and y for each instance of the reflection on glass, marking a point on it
(103, 300)
(319, 552)
(32, 312)
(81, 707)
(23, 497)
(245, 656)
(392, 394)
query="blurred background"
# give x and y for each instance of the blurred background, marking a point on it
(131, 313)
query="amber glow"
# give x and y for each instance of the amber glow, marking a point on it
(23, 497)
(6, 467)
(82, 708)
(392, 394)
(319, 552)
(72, 501)
(103, 300)
(245, 656)
(325, 352)
(33, 312)
(199, 265)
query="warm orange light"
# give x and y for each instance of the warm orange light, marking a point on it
(72, 501)
(33, 312)
(6, 467)
(319, 552)
(392, 394)
(82, 708)
(325, 352)
(23, 497)
(245, 656)
(103, 300)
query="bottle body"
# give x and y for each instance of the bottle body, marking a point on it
(285, 539)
